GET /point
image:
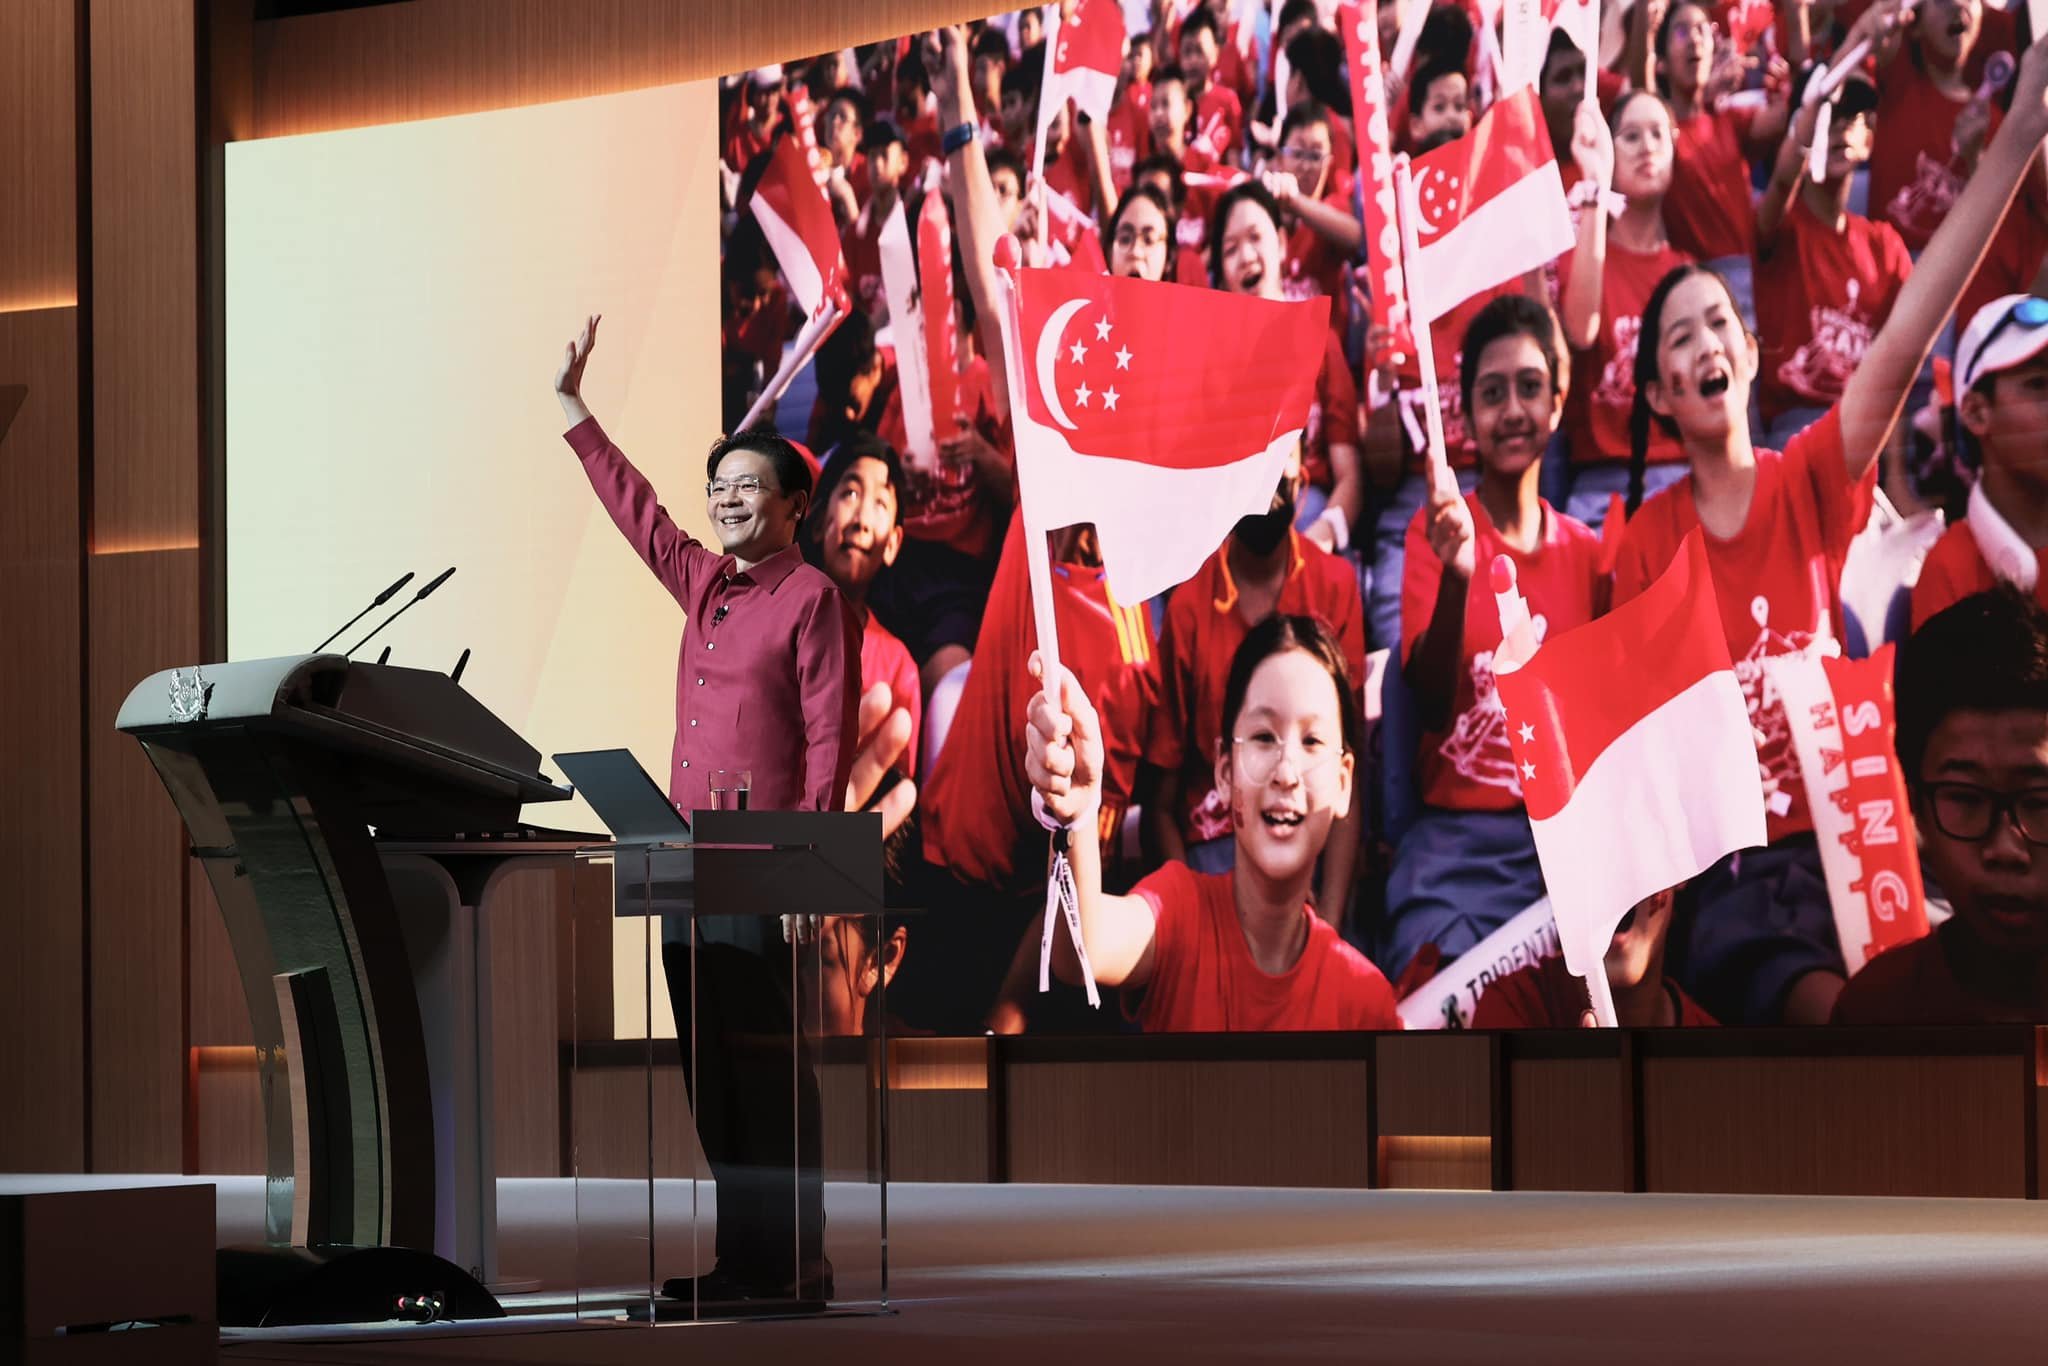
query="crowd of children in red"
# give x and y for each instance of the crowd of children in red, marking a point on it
(1799, 350)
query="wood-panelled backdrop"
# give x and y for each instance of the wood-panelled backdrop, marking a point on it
(112, 963)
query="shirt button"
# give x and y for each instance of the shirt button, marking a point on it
(686, 763)
(693, 720)
(710, 644)
(700, 682)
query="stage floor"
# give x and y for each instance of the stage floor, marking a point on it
(1077, 1275)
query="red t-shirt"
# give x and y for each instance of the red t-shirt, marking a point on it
(1955, 570)
(951, 505)
(1333, 417)
(1218, 123)
(1914, 180)
(1913, 984)
(884, 659)
(1129, 131)
(1471, 767)
(977, 800)
(1314, 265)
(1204, 980)
(1708, 210)
(1545, 995)
(1202, 633)
(1604, 379)
(761, 333)
(1778, 579)
(861, 243)
(743, 144)
(1821, 296)
(2014, 257)
(1191, 231)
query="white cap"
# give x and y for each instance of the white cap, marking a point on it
(766, 75)
(1995, 340)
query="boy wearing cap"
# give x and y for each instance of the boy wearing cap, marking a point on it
(1826, 278)
(760, 114)
(2001, 386)
(1973, 738)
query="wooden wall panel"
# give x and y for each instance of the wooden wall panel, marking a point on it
(1568, 1125)
(430, 58)
(145, 617)
(1194, 1123)
(145, 266)
(525, 1056)
(1435, 1084)
(1935, 1126)
(42, 946)
(39, 155)
(217, 1011)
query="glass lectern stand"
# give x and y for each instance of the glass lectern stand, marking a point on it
(726, 1133)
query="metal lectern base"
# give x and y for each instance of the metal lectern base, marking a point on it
(277, 1287)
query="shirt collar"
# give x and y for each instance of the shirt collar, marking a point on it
(770, 572)
(2007, 553)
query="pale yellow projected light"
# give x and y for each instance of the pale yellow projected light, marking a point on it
(397, 301)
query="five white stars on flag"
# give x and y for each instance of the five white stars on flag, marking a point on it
(1078, 352)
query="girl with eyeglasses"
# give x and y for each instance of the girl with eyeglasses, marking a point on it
(1777, 529)
(1242, 949)
(1467, 864)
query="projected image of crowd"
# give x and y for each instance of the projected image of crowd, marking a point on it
(1800, 314)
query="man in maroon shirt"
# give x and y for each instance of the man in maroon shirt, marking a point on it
(767, 683)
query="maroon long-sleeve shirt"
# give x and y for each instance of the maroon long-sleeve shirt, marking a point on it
(769, 675)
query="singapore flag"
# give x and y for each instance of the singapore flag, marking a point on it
(1489, 206)
(1159, 412)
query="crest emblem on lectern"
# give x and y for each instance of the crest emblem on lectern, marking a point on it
(190, 693)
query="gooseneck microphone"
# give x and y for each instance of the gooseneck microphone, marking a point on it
(460, 665)
(437, 581)
(375, 603)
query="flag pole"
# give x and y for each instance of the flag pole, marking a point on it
(1060, 895)
(1420, 319)
(1602, 995)
(1048, 46)
(807, 343)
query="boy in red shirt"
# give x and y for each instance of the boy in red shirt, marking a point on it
(1973, 737)
(1315, 192)
(1439, 103)
(1546, 994)
(884, 163)
(2001, 412)
(1243, 949)
(853, 534)
(1917, 163)
(1826, 277)
(1218, 125)
(1467, 864)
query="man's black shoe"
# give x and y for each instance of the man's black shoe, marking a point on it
(724, 1287)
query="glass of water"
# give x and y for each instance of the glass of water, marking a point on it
(729, 788)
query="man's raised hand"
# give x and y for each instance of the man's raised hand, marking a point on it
(569, 376)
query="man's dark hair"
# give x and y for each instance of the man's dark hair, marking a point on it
(990, 43)
(1304, 115)
(1003, 159)
(1168, 74)
(847, 353)
(1317, 56)
(1198, 19)
(1987, 653)
(879, 135)
(1510, 315)
(1294, 10)
(792, 474)
(1024, 76)
(1418, 93)
(1161, 162)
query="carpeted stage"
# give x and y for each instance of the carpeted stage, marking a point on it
(1074, 1275)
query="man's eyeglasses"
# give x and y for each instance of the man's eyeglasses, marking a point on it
(1965, 811)
(1258, 756)
(746, 486)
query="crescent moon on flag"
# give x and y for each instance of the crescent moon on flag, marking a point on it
(1048, 350)
(1434, 201)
